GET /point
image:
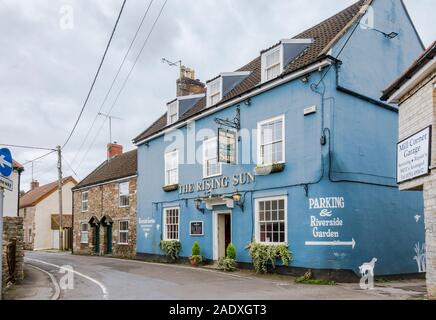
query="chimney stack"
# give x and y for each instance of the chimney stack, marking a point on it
(187, 84)
(113, 150)
(34, 184)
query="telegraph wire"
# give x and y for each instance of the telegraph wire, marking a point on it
(25, 147)
(125, 81)
(72, 170)
(96, 76)
(114, 80)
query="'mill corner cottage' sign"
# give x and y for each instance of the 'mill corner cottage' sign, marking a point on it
(413, 156)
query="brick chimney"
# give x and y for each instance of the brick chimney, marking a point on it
(187, 84)
(34, 184)
(113, 150)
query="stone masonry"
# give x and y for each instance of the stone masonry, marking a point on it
(103, 200)
(418, 111)
(12, 233)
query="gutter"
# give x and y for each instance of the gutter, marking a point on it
(104, 182)
(324, 63)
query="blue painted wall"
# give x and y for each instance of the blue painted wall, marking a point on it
(360, 152)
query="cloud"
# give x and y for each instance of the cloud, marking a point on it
(47, 71)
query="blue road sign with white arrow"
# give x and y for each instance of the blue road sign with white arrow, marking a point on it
(6, 165)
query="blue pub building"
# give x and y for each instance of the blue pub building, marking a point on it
(295, 147)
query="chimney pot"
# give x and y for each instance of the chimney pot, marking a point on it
(113, 150)
(34, 184)
(187, 84)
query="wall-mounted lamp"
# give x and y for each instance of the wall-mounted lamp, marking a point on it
(197, 203)
(390, 35)
(305, 79)
(248, 102)
(237, 198)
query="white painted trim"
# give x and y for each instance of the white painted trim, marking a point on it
(205, 176)
(168, 111)
(119, 231)
(256, 218)
(297, 41)
(259, 124)
(215, 231)
(164, 225)
(416, 79)
(261, 88)
(165, 167)
(104, 183)
(202, 229)
(234, 74)
(192, 96)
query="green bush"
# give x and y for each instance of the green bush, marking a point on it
(231, 251)
(195, 251)
(261, 254)
(171, 248)
(227, 264)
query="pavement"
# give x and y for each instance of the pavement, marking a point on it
(53, 275)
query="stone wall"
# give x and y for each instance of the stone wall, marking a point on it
(104, 201)
(13, 230)
(418, 111)
(28, 215)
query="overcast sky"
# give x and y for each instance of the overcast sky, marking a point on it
(46, 69)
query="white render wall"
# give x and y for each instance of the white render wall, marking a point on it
(11, 198)
(43, 211)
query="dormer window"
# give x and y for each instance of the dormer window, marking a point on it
(276, 59)
(214, 92)
(173, 112)
(273, 64)
(223, 84)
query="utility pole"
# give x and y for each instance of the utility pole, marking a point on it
(61, 233)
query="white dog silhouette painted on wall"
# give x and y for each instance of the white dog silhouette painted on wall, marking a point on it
(367, 273)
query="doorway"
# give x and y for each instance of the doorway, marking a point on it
(223, 233)
(109, 239)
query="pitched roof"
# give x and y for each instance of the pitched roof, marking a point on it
(324, 35)
(17, 165)
(124, 165)
(416, 66)
(33, 197)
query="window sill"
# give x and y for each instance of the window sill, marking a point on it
(122, 244)
(264, 170)
(171, 187)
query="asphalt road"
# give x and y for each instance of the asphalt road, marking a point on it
(98, 278)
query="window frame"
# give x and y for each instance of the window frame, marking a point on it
(123, 231)
(164, 223)
(257, 220)
(205, 176)
(167, 154)
(219, 93)
(259, 135)
(169, 115)
(83, 201)
(263, 62)
(82, 232)
(120, 195)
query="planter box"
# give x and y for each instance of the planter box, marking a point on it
(273, 168)
(169, 188)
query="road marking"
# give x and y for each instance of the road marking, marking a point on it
(53, 279)
(103, 288)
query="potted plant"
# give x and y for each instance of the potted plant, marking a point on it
(229, 262)
(264, 170)
(195, 257)
(170, 187)
(171, 248)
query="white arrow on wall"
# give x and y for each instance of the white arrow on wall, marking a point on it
(4, 163)
(351, 243)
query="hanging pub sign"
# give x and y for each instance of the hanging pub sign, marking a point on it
(196, 228)
(226, 146)
(413, 156)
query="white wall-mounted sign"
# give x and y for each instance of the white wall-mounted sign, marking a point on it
(413, 156)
